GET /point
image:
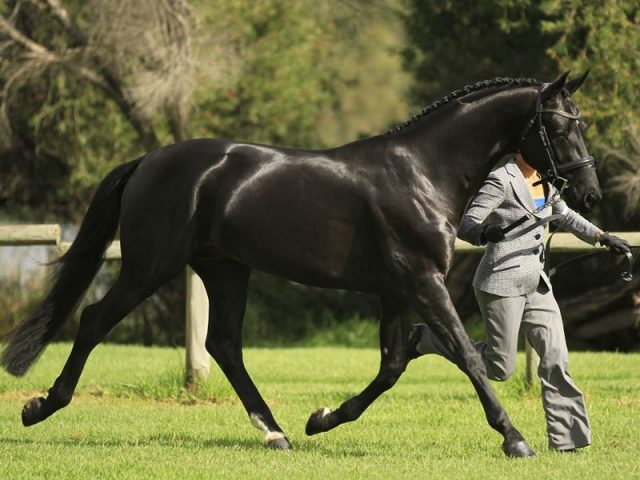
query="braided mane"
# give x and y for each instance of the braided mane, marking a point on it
(484, 84)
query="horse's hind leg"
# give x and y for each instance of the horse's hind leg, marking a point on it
(226, 283)
(434, 306)
(394, 334)
(95, 322)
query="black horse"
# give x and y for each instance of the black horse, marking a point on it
(379, 215)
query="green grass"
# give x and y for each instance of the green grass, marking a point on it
(132, 419)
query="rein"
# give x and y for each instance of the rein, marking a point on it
(626, 275)
(553, 199)
(533, 226)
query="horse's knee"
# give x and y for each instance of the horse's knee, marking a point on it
(387, 381)
(390, 375)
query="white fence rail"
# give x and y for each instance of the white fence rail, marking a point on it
(21, 235)
(197, 305)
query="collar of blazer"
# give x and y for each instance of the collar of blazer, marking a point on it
(521, 189)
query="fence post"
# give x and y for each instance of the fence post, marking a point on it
(197, 319)
(532, 362)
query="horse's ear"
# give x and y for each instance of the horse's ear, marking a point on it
(573, 85)
(553, 89)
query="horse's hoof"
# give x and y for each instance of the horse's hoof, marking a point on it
(31, 411)
(281, 443)
(317, 422)
(519, 449)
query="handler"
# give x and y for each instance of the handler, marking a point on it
(513, 291)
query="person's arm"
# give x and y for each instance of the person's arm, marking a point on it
(575, 223)
(587, 231)
(488, 198)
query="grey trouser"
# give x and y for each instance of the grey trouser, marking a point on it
(539, 317)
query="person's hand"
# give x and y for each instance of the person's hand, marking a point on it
(616, 245)
(492, 233)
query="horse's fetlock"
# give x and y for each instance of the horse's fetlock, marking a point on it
(59, 401)
(500, 422)
(349, 411)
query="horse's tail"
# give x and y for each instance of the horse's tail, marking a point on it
(74, 272)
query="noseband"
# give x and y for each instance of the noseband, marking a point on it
(554, 174)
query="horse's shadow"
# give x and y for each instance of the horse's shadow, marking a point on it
(167, 440)
(186, 442)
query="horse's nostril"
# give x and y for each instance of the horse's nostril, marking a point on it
(591, 199)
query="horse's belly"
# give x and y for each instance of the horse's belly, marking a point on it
(314, 251)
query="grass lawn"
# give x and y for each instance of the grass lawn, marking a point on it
(131, 419)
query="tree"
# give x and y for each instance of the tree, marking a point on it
(90, 84)
(87, 85)
(289, 68)
(451, 46)
(67, 74)
(604, 37)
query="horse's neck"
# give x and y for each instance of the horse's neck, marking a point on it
(473, 138)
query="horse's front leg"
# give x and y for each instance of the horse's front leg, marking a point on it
(433, 304)
(394, 334)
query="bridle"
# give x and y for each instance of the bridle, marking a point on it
(555, 174)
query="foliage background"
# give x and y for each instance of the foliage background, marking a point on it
(298, 73)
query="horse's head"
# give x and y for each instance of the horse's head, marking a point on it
(553, 144)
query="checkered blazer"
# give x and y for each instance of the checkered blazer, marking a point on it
(512, 268)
